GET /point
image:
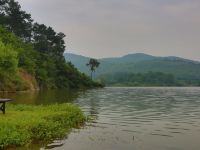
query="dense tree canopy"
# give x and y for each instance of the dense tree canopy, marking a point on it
(15, 20)
(93, 64)
(36, 49)
(8, 59)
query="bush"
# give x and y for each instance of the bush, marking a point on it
(8, 59)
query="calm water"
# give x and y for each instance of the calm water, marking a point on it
(130, 118)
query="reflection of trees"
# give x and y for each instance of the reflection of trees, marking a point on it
(57, 96)
(43, 96)
(90, 101)
(94, 106)
(21, 97)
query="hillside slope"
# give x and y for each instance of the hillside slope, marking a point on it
(181, 68)
(31, 54)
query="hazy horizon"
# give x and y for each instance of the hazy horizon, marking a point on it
(127, 54)
(113, 28)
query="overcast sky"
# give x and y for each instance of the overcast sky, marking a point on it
(106, 28)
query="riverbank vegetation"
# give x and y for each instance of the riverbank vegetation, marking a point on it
(23, 124)
(146, 79)
(31, 54)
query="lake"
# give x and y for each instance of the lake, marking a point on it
(128, 118)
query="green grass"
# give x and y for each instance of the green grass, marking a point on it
(23, 124)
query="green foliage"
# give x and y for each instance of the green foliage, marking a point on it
(26, 54)
(11, 53)
(53, 71)
(8, 59)
(93, 64)
(8, 37)
(23, 124)
(8, 69)
(17, 21)
(39, 50)
(28, 58)
(143, 79)
(186, 72)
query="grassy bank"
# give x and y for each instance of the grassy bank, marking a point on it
(23, 124)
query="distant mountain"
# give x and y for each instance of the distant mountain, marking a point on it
(80, 61)
(181, 68)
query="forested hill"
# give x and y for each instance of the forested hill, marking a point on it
(110, 68)
(31, 54)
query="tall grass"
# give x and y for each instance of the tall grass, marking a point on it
(23, 124)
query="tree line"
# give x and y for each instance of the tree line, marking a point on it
(145, 79)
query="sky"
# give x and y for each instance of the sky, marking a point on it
(110, 28)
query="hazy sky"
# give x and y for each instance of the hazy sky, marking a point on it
(103, 28)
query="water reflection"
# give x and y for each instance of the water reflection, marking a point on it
(139, 118)
(43, 97)
(129, 118)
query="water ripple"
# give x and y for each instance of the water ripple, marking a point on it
(157, 118)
